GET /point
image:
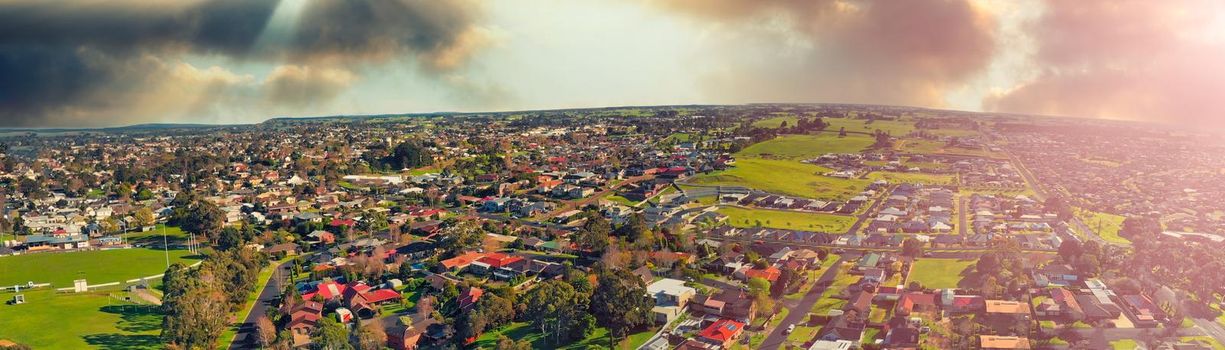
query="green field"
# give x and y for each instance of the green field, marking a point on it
(896, 128)
(1124, 344)
(174, 236)
(913, 178)
(77, 321)
(893, 127)
(524, 330)
(741, 217)
(97, 266)
(1106, 225)
(807, 146)
(784, 177)
(920, 146)
(938, 273)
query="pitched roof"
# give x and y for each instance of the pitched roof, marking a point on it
(1007, 307)
(722, 330)
(1001, 342)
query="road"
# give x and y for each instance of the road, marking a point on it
(1041, 194)
(861, 218)
(799, 312)
(271, 292)
(962, 213)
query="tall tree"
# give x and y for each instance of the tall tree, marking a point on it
(331, 335)
(621, 303)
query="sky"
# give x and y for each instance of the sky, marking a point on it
(91, 63)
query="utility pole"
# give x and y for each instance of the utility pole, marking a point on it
(165, 246)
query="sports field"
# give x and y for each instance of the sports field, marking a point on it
(791, 220)
(97, 266)
(80, 321)
(784, 177)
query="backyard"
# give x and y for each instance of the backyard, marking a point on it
(939, 273)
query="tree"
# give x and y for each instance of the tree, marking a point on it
(505, 343)
(199, 317)
(554, 308)
(988, 264)
(370, 336)
(1069, 250)
(1140, 226)
(331, 335)
(912, 247)
(408, 154)
(621, 303)
(594, 234)
(205, 219)
(464, 235)
(144, 217)
(265, 332)
(230, 238)
(991, 287)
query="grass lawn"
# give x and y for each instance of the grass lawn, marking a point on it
(1047, 324)
(620, 200)
(869, 335)
(97, 266)
(1205, 340)
(827, 301)
(1106, 225)
(784, 177)
(677, 137)
(741, 217)
(1124, 344)
(803, 334)
(174, 236)
(799, 147)
(524, 330)
(913, 178)
(78, 321)
(939, 273)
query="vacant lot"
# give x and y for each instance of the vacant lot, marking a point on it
(784, 177)
(938, 147)
(97, 266)
(801, 147)
(1106, 225)
(939, 273)
(913, 178)
(741, 217)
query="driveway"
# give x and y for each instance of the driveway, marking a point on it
(799, 312)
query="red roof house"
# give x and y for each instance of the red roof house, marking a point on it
(723, 332)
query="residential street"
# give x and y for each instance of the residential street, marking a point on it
(266, 298)
(776, 338)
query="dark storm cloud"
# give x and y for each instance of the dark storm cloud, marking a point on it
(872, 51)
(68, 61)
(1130, 59)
